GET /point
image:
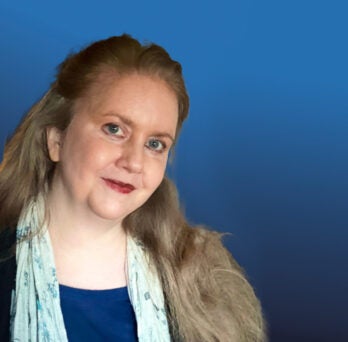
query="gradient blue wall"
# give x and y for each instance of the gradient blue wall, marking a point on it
(264, 152)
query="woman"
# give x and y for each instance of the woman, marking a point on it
(82, 184)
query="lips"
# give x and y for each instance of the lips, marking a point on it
(123, 188)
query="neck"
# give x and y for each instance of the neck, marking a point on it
(89, 252)
(78, 227)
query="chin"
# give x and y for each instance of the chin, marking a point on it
(115, 210)
(112, 213)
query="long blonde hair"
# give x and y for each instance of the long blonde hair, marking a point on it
(207, 295)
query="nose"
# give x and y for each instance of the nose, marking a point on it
(132, 157)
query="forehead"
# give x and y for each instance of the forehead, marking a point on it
(108, 82)
(136, 96)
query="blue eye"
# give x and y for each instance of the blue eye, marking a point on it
(113, 129)
(156, 145)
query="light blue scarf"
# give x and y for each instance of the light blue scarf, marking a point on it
(35, 310)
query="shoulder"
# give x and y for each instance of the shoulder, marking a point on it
(220, 289)
(206, 251)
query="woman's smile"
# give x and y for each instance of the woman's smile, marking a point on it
(123, 188)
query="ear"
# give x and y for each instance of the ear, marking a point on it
(54, 143)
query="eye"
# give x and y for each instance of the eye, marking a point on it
(156, 145)
(113, 129)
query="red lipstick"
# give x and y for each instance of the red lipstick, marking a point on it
(123, 188)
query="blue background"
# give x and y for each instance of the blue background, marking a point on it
(264, 152)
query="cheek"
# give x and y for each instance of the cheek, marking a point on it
(84, 156)
(96, 149)
(155, 174)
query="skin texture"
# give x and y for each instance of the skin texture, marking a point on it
(109, 161)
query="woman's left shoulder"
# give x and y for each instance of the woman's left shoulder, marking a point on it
(208, 244)
(227, 295)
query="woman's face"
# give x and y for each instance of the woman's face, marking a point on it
(113, 155)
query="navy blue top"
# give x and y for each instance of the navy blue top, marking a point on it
(98, 315)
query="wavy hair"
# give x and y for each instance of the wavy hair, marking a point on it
(208, 297)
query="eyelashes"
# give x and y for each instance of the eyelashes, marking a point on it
(156, 145)
(113, 129)
(153, 144)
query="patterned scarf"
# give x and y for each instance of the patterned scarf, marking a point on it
(36, 314)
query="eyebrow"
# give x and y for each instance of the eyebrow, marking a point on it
(131, 123)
